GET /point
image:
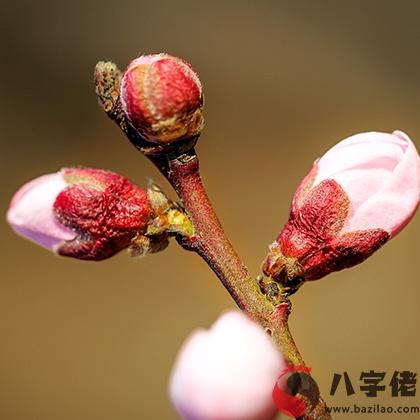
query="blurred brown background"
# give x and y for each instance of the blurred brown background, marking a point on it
(284, 80)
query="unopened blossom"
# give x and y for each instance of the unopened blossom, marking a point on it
(357, 196)
(162, 98)
(227, 372)
(82, 213)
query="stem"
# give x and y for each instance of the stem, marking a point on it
(180, 166)
(210, 242)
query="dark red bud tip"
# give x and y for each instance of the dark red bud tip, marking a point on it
(162, 98)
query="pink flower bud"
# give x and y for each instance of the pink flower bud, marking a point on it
(82, 213)
(227, 373)
(162, 97)
(361, 193)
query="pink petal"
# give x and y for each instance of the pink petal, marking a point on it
(361, 184)
(361, 151)
(394, 204)
(31, 211)
(226, 373)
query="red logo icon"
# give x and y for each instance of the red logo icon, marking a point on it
(295, 392)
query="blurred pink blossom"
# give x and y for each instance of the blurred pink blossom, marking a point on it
(227, 372)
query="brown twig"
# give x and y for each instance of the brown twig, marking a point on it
(179, 164)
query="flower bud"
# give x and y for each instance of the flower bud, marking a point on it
(162, 98)
(227, 373)
(88, 214)
(361, 193)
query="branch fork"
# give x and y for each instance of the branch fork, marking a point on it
(200, 230)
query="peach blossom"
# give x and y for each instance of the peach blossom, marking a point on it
(227, 372)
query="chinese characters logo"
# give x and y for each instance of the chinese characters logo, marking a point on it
(402, 384)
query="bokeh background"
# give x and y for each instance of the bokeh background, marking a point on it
(284, 81)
